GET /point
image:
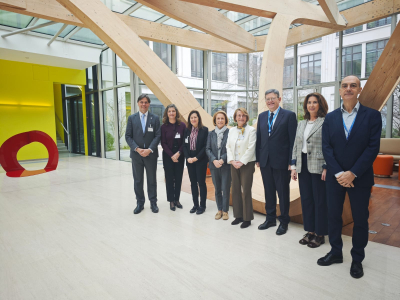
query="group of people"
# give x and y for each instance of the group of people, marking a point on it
(329, 153)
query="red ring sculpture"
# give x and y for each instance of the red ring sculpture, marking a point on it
(10, 148)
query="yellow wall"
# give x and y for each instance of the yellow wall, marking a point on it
(58, 109)
(27, 101)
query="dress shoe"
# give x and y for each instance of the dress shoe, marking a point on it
(225, 216)
(329, 259)
(194, 209)
(178, 204)
(138, 209)
(282, 228)
(172, 206)
(307, 238)
(200, 210)
(154, 207)
(237, 221)
(266, 225)
(316, 242)
(218, 215)
(356, 270)
(245, 224)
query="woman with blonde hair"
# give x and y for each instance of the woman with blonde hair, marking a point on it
(220, 169)
(241, 155)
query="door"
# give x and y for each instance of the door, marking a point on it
(75, 124)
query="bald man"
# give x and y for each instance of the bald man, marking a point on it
(350, 143)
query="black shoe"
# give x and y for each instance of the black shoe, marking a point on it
(245, 224)
(200, 210)
(154, 207)
(194, 209)
(237, 221)
(172, 206)
(282, 229)
(266, 225)
(138, 209)
(329, 259)
(356, 270)
(178, 204)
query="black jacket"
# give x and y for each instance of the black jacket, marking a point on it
(200, 152)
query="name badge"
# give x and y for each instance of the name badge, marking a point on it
(187, 140)
(177, 136)
(150, 129)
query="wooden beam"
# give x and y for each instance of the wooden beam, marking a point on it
(152, 31)
(331, 10)
(385, 76)
(271, 73)
(206, 19)
(18, 4)
(305, 13)
(136, 54)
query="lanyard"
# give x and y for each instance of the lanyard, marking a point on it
(273, 119)
(351, 127)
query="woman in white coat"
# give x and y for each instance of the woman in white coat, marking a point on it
(241, 154)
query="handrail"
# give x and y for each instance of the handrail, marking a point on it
(62, 124)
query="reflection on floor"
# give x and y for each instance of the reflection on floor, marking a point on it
(71, 234)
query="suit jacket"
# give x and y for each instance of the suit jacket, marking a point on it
(276, 148)
(315, 157)
(212, 149)
(248, 152)
(200, 152)
(357, 154)
(135, 137)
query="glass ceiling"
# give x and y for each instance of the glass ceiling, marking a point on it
(253, 24)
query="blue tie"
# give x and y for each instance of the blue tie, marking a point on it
(143, 123)
(271, 117)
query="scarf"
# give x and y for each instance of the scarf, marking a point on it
(242, 128)
(193, 138)
(220, 135)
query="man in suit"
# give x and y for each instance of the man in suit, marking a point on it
(276, 131)
(350, 144)
(143, 134)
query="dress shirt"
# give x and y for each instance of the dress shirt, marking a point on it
(145, 122)
(276, 112)
(348, 120)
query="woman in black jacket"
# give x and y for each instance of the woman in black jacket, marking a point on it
(195, 141)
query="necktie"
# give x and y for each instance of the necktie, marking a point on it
(143, 123)
(271, 117)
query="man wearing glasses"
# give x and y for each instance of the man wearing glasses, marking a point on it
(143, 133)
(276, 131)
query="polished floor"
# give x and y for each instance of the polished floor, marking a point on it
(71, 234)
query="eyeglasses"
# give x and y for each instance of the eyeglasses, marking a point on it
(270, 99)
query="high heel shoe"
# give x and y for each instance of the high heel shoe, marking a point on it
(172, 206)
(178, 204)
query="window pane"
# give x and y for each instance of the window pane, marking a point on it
(106, 69)
(122, 72)
(124, 111)
(109, 127)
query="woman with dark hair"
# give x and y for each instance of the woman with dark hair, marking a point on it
(220, 169)
(172, 132)
(308, 161)
(195, 141)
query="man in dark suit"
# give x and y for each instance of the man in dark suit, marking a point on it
(350, 143)
(143, 134)
(276, 131)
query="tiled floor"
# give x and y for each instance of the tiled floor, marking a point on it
(71, 234)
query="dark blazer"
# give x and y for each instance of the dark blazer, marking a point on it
(212, 149)
(168, 133)
(200, 144)
(357, 154)
(276, 148)
(135, 137)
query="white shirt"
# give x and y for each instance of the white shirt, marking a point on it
(306, 133)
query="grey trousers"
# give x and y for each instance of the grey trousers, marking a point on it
(222, 182)
(242, 182)
(138, 165)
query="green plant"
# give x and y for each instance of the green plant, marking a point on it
(109, 142)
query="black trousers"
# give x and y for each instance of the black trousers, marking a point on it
(276, 180)
(197, 175)
(313, 200)
(173, 176)
(359, 201)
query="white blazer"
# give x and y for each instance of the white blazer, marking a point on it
(248, 151)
